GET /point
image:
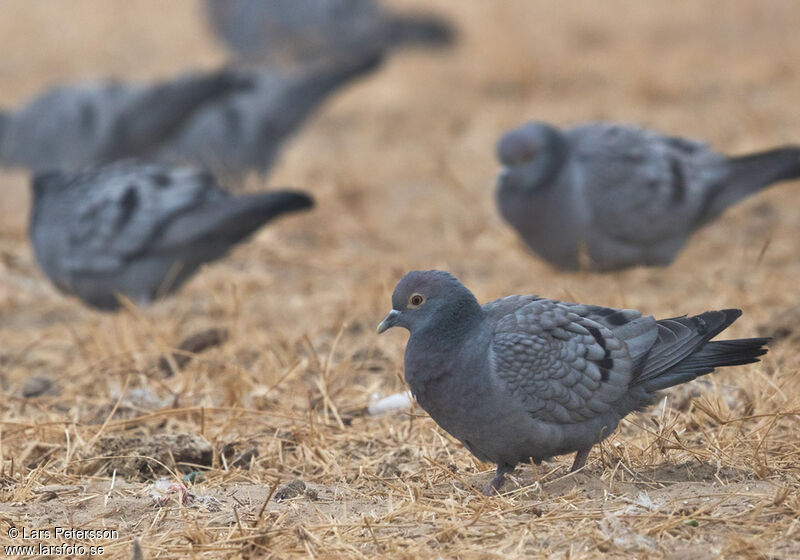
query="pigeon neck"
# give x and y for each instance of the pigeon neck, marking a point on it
(456, 320)
(435, 351)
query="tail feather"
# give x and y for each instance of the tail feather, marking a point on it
(679, 337)
(723, 353)
(319, 83)
(228, 222)
(767, 167)
(683, 352)
(749, 174)
(299, 101)
(711, 356)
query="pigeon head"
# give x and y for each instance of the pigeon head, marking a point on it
(523, 144)
(531, 156)
(426, 298)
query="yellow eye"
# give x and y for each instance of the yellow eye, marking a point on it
(416, 300)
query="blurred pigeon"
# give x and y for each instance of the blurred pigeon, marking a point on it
(311, 31)
(244, 132)
(620, 196)
(139, 229)
(74, 126)
(526, 378)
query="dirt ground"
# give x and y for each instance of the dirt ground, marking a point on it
(402, 165)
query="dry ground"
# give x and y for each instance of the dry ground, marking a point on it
(402, 166)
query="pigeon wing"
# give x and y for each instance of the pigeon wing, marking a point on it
(564, 362)
(641, 186)
(65, 127)
(125, 207)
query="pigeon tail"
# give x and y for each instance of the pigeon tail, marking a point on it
(749, 174)
(318, 84)
(231, 221)
(767, 167)
(163, 109)
(419, 30)
(304, 96)
(683, 350)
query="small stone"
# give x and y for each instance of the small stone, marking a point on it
(290, 490)
(36, 386)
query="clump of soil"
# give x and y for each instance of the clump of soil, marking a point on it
(143, 457)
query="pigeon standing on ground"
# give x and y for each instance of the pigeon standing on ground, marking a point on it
(140, 230)
(525, 378)
(313, 31)
(608, 196)
(75, 126)
(244, 132)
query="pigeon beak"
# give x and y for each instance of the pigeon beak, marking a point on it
(511, 178)
(389, 321)
(503, 176)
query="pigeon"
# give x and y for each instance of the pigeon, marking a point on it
(281, 32)
(140, 229)
(606, 197)
(524, 378)
(94, 123)
(244, 132)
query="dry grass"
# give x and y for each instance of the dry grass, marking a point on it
(402, 166)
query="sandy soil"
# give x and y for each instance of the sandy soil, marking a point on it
(402, 166)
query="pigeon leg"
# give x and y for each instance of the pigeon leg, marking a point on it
(498, 480)
(580, 459)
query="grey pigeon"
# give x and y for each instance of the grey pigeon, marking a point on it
(314, 31)
(525, 378)
(93, 123)
(244, 132)
(138, 229)
(606, 196)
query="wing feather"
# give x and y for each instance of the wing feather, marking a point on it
(121, 209)
(562, 361)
